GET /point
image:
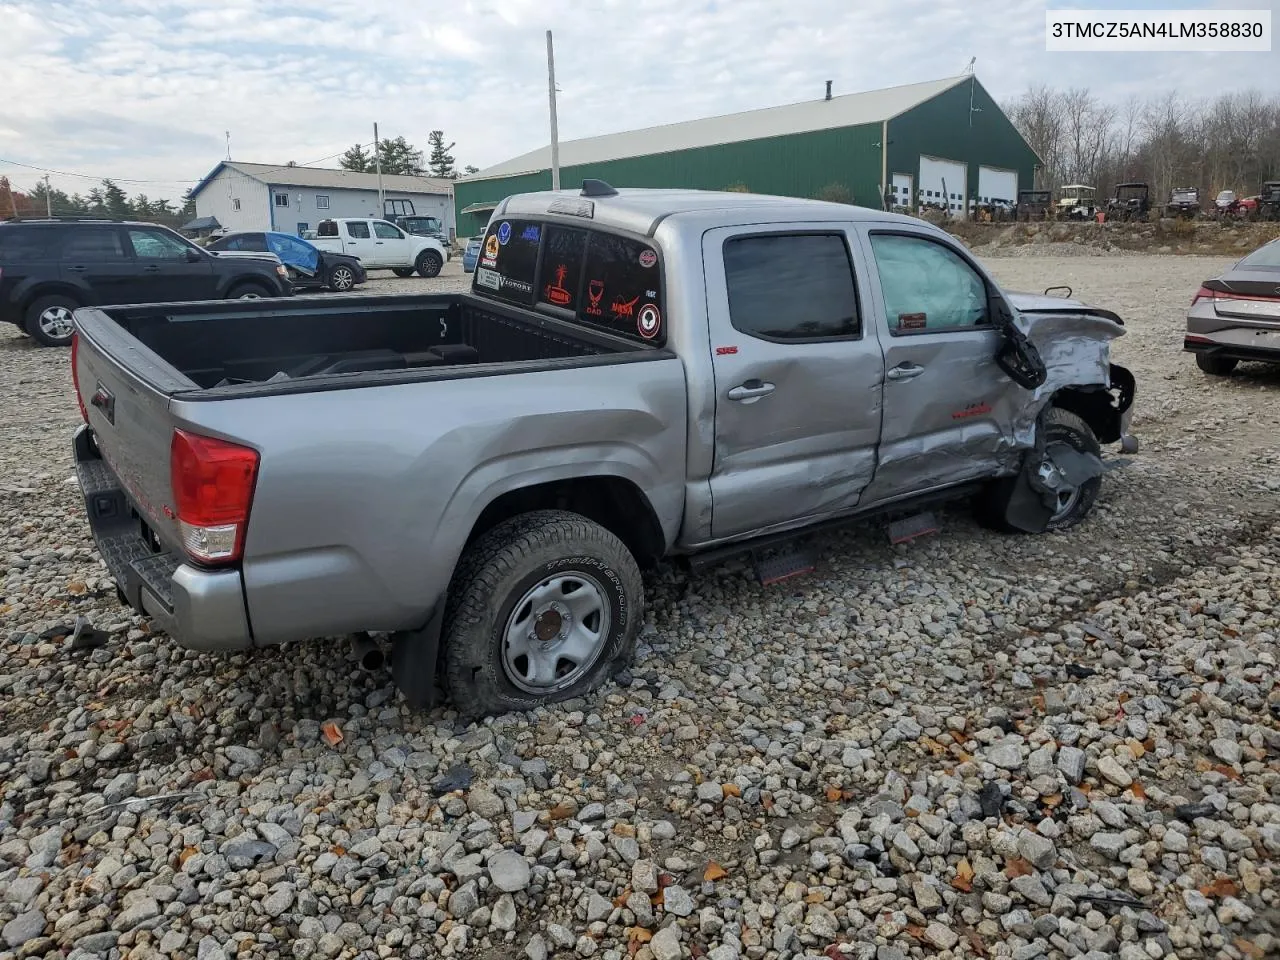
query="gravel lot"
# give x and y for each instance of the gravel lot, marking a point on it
(973, 745)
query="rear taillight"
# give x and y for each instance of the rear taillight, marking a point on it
(213, 487)
(75, 376)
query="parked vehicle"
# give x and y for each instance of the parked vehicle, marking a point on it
(382, 245)
(471, 254)
(404, 216)
(1236, 315)
(1268, 205)
(1131, 201)
(1184, 203)
(50, 267)
(309, 266)
(1034, 204)
(634, 375)
(1076, 201)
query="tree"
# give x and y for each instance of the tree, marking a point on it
(469, 169)
(55, 200)
(356, 159)
(440, 162)
(188, 204)
(96, 204)
(115, 200)
(398, 156)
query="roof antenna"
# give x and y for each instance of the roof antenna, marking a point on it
(828, 90)
(228, 133)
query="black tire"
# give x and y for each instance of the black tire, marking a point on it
(342, 278)
(502, 569)
(402, 271)
(428, 264)
(248, 291)
(48, 319)
(1215, 366)
(1060, 425)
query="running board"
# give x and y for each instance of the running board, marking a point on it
(773, 566)
(909, 528)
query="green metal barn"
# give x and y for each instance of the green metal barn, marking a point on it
(940, 143)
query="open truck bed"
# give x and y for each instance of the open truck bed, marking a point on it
(251, 347)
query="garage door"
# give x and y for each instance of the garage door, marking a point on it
(934, 173)
(996, 183)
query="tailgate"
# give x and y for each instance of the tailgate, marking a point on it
(128, 412)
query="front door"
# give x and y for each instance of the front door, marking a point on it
(948, 408)
(168, 276)
(901, 191)
(392, 245)
(798, 376)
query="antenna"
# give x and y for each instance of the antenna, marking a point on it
(228, 133)
(969, 67)
(555, 135)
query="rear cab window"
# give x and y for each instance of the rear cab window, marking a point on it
(593, 277)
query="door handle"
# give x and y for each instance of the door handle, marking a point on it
(151, 268)
(77, 269)
(905, 371)
(751, 391)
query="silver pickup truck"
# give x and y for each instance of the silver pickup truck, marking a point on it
(635, 374)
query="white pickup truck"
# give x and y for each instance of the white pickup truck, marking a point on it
(381, 245)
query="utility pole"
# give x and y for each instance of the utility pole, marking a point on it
(551, 93)
(377, 163)
(48, 198)
(228, 133)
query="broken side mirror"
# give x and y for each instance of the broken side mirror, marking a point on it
(1017, 356)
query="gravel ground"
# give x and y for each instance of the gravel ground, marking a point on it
(970, 746)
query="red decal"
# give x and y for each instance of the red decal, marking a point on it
(973, 410)
(558, 294)
(595, 290)
(627, 309)
(726, 351)
(650, 321)
(911, 321)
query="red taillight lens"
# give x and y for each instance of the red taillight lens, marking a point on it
(75, 376)
(213, 487)
(1204, 293)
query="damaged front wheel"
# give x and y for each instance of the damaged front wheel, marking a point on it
(1011, 505)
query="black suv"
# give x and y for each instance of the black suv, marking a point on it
(50, 267)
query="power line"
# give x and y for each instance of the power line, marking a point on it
(88, 176)
(332, 155)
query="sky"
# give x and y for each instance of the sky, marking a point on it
(146, 90)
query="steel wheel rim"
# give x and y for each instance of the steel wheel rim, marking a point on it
(555, 633)
(343, 279)
(1067, 500)
(56, 322)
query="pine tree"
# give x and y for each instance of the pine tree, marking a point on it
(469, 169)
(399, 156)
(357, 160)
(188, 204)
(115, 200)
(440, 162)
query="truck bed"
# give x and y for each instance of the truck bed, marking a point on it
(304, 343)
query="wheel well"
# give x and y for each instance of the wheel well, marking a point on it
(241, 282)
(1102, 408)
(48, 290)
(616, 504)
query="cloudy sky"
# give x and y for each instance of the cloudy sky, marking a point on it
(144, 89)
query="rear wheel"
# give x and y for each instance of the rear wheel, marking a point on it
(1215, 366)
(48, 319)
(544, 607)
(342, 278)
(402, 271)
(428, 264)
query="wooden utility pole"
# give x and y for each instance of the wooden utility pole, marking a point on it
(377, 165)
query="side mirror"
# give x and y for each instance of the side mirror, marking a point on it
(194, 256)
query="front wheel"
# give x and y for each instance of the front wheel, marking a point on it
(1215, 366)
(428, 264)
(49, 320)
(248, 291)
(542, 608)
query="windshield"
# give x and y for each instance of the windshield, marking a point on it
(1268, 256)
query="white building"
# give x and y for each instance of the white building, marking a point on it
(261, 196)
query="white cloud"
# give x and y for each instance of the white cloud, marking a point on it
(145, 88)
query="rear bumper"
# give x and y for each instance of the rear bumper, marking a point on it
(1200, 344)
(201, 609)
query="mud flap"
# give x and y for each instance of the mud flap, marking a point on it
(415, 656)
(1045, 473)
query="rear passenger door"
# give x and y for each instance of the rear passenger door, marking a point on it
(947, 404)
(168, 275)
(357, 240)
(798, 376)
(95, 260)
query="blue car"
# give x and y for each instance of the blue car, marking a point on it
(471, 254)
(308, 266)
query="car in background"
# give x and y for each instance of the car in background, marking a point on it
(1131, 201)
(51, 267)
(382, 245)
(471, 254)
(1184, 202)
(1236, 316)
(309, 267)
